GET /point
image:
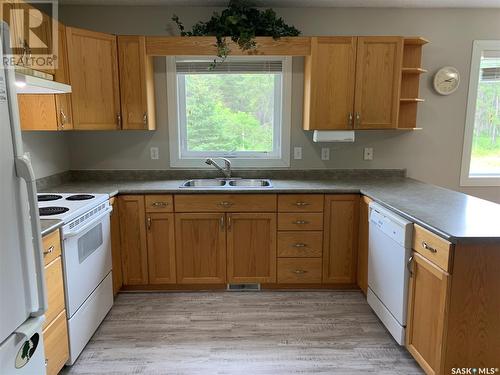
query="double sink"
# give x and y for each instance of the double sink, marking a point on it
(227, 183)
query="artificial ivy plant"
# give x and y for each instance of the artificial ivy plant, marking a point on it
(241, 22)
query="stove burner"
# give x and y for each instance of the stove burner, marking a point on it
(49, 211)
(48, 197)
(80, 197)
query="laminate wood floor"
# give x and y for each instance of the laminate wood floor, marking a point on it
(243, 333)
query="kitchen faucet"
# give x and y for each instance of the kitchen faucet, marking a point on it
(227, 166)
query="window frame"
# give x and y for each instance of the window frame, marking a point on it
(465, 179)
(279, 158)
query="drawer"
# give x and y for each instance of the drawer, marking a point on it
(51, 246)
(300, 221)
(225, 203)
(301, 244)
(55, 339)
(300, 202)
(432, 247)
(299, 270)
(159, 203)
(55, 290)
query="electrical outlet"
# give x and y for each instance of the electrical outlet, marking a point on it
(368, 153)
(155, 153)
(297, 153)
(325, 153)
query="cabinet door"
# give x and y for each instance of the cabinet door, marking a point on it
(362, 273)
(93, 68)
(133, 240)
(200, 248)
(161, 248)
(251, 248)
(427, 309)
(378, 81)
(340, 238)
(37, 112)
(115, 246)
(63, 101)
(329, 80)
(136, 83)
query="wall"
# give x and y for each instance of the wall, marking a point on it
(49, 152)
(432, 155)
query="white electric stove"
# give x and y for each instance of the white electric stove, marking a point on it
(86, 261)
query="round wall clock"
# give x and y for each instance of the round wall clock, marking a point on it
(446, 80)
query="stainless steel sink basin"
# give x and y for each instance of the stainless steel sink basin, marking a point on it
(250, 183)
(204, 183)
(226, 183)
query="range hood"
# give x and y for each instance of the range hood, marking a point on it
(29, 81)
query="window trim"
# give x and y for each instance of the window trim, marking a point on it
(255, 160)
(465, 180)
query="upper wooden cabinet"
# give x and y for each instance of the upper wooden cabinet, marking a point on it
(329, 83)
(378, 80)
(251, 247)
(93, 70)
(340, 242)
(136, 84)
(353, 83)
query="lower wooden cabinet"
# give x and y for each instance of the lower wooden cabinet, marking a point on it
(161, 248)
(133, 242)
(200, 248)
(251, 247)
(115, 245)
(55, 340)
(299, 270)
(362, 271)
(340, 241)
(427, 310)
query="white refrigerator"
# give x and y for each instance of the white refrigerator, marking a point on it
(22, 290)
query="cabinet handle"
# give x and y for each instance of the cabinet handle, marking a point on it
(119, 120)
(349, 120)
(159, 204)
(222, 222)
(409, 265)
(426, 246)
(145, 118)
(300, 222)
(301, 204)
(358, 119)
(299, 272)
(299, 244)
(49, 250)
(46, 362)
(149, 223)
(229, 223)
(62, 118)
(225, 204)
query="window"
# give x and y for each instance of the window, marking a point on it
(481, 154)
(239, 109)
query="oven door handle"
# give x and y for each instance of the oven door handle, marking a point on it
(88, 225)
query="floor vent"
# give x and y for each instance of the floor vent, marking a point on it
(243, 287)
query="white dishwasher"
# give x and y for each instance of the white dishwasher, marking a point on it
(389, 250)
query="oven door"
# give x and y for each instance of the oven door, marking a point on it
(87, 259)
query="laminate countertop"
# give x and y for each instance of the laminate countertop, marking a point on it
(49, 225)
(452, 215)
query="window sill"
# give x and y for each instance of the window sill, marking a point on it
(235, 163)
(480, 181)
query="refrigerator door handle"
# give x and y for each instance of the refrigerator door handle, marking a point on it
(25, 171)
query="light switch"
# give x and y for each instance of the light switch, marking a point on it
(368, 153)
(325, 153)
(155, 153)
(297, 153)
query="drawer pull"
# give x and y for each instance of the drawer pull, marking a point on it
(426, 246)
(301, 204)
(409, 265)
(159, 204)
(299, 244)
(49, 250)
(301, 222)
(299, 272)
(225, 204)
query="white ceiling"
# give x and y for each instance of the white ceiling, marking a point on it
(305, 3)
